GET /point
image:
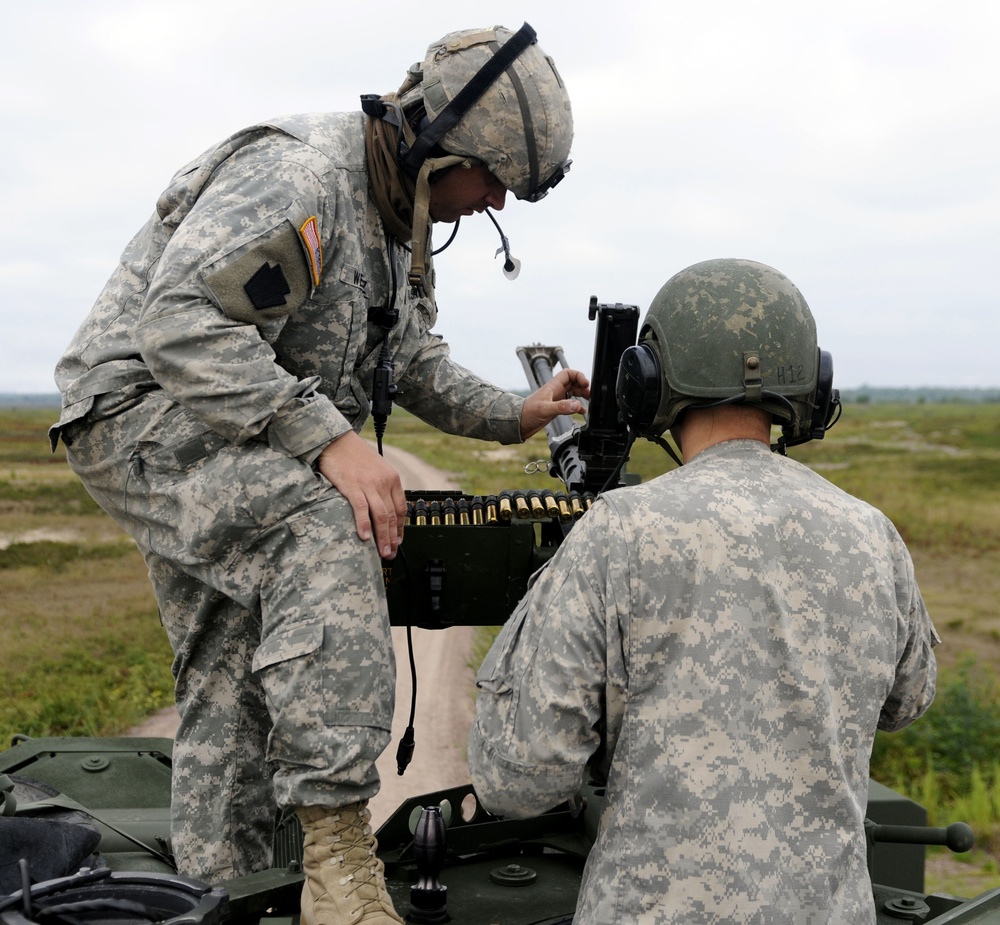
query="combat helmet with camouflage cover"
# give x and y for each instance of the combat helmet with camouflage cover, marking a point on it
(494, 96)
(728, 330)
(483, 96)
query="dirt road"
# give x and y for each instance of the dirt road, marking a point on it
(445, 687)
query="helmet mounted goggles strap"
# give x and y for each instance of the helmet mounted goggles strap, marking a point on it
(466, 98)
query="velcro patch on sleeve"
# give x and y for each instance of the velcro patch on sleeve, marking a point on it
(264, 279)
(314, 247)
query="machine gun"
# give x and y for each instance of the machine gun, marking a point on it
(586, 457)
(467, 559)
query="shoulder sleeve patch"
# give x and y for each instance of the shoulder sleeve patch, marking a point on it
(314, 248)
(264, 279)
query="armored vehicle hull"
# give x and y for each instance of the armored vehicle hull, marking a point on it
(483, 871)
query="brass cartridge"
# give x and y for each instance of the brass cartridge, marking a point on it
(521, 505)
(504, 506)
(535, 503)
(493, 510)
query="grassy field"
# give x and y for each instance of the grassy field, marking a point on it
(84, 653)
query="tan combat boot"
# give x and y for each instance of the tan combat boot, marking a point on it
(345, 881)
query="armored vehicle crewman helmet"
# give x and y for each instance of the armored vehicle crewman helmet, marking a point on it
(726, 331)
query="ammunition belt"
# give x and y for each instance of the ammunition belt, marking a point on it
(438, 509)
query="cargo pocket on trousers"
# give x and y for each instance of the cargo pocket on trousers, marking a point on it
(294, 643)
(305, 684)
(290, 671)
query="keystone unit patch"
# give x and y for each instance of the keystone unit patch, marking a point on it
(268, 287)
(266, 278)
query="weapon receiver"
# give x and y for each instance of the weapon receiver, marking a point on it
(586, 456)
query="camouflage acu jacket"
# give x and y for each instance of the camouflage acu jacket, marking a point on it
(246, 295)
(722, 643)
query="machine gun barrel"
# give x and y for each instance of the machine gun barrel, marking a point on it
(586, 457)
(539, 364)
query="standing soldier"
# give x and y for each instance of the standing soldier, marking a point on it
(212, 400)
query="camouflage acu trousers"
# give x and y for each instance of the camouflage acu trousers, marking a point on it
(275, 610)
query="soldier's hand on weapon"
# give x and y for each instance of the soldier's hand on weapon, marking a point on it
(558, 396)
(372, 487)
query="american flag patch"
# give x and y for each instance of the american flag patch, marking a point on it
(314, 247)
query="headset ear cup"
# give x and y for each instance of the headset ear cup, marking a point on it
(827, 398)
(638, 387)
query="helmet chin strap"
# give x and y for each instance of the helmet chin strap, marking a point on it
(422, 219)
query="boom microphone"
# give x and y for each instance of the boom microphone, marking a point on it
(511, 265)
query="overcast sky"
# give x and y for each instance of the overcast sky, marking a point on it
(853, 145)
